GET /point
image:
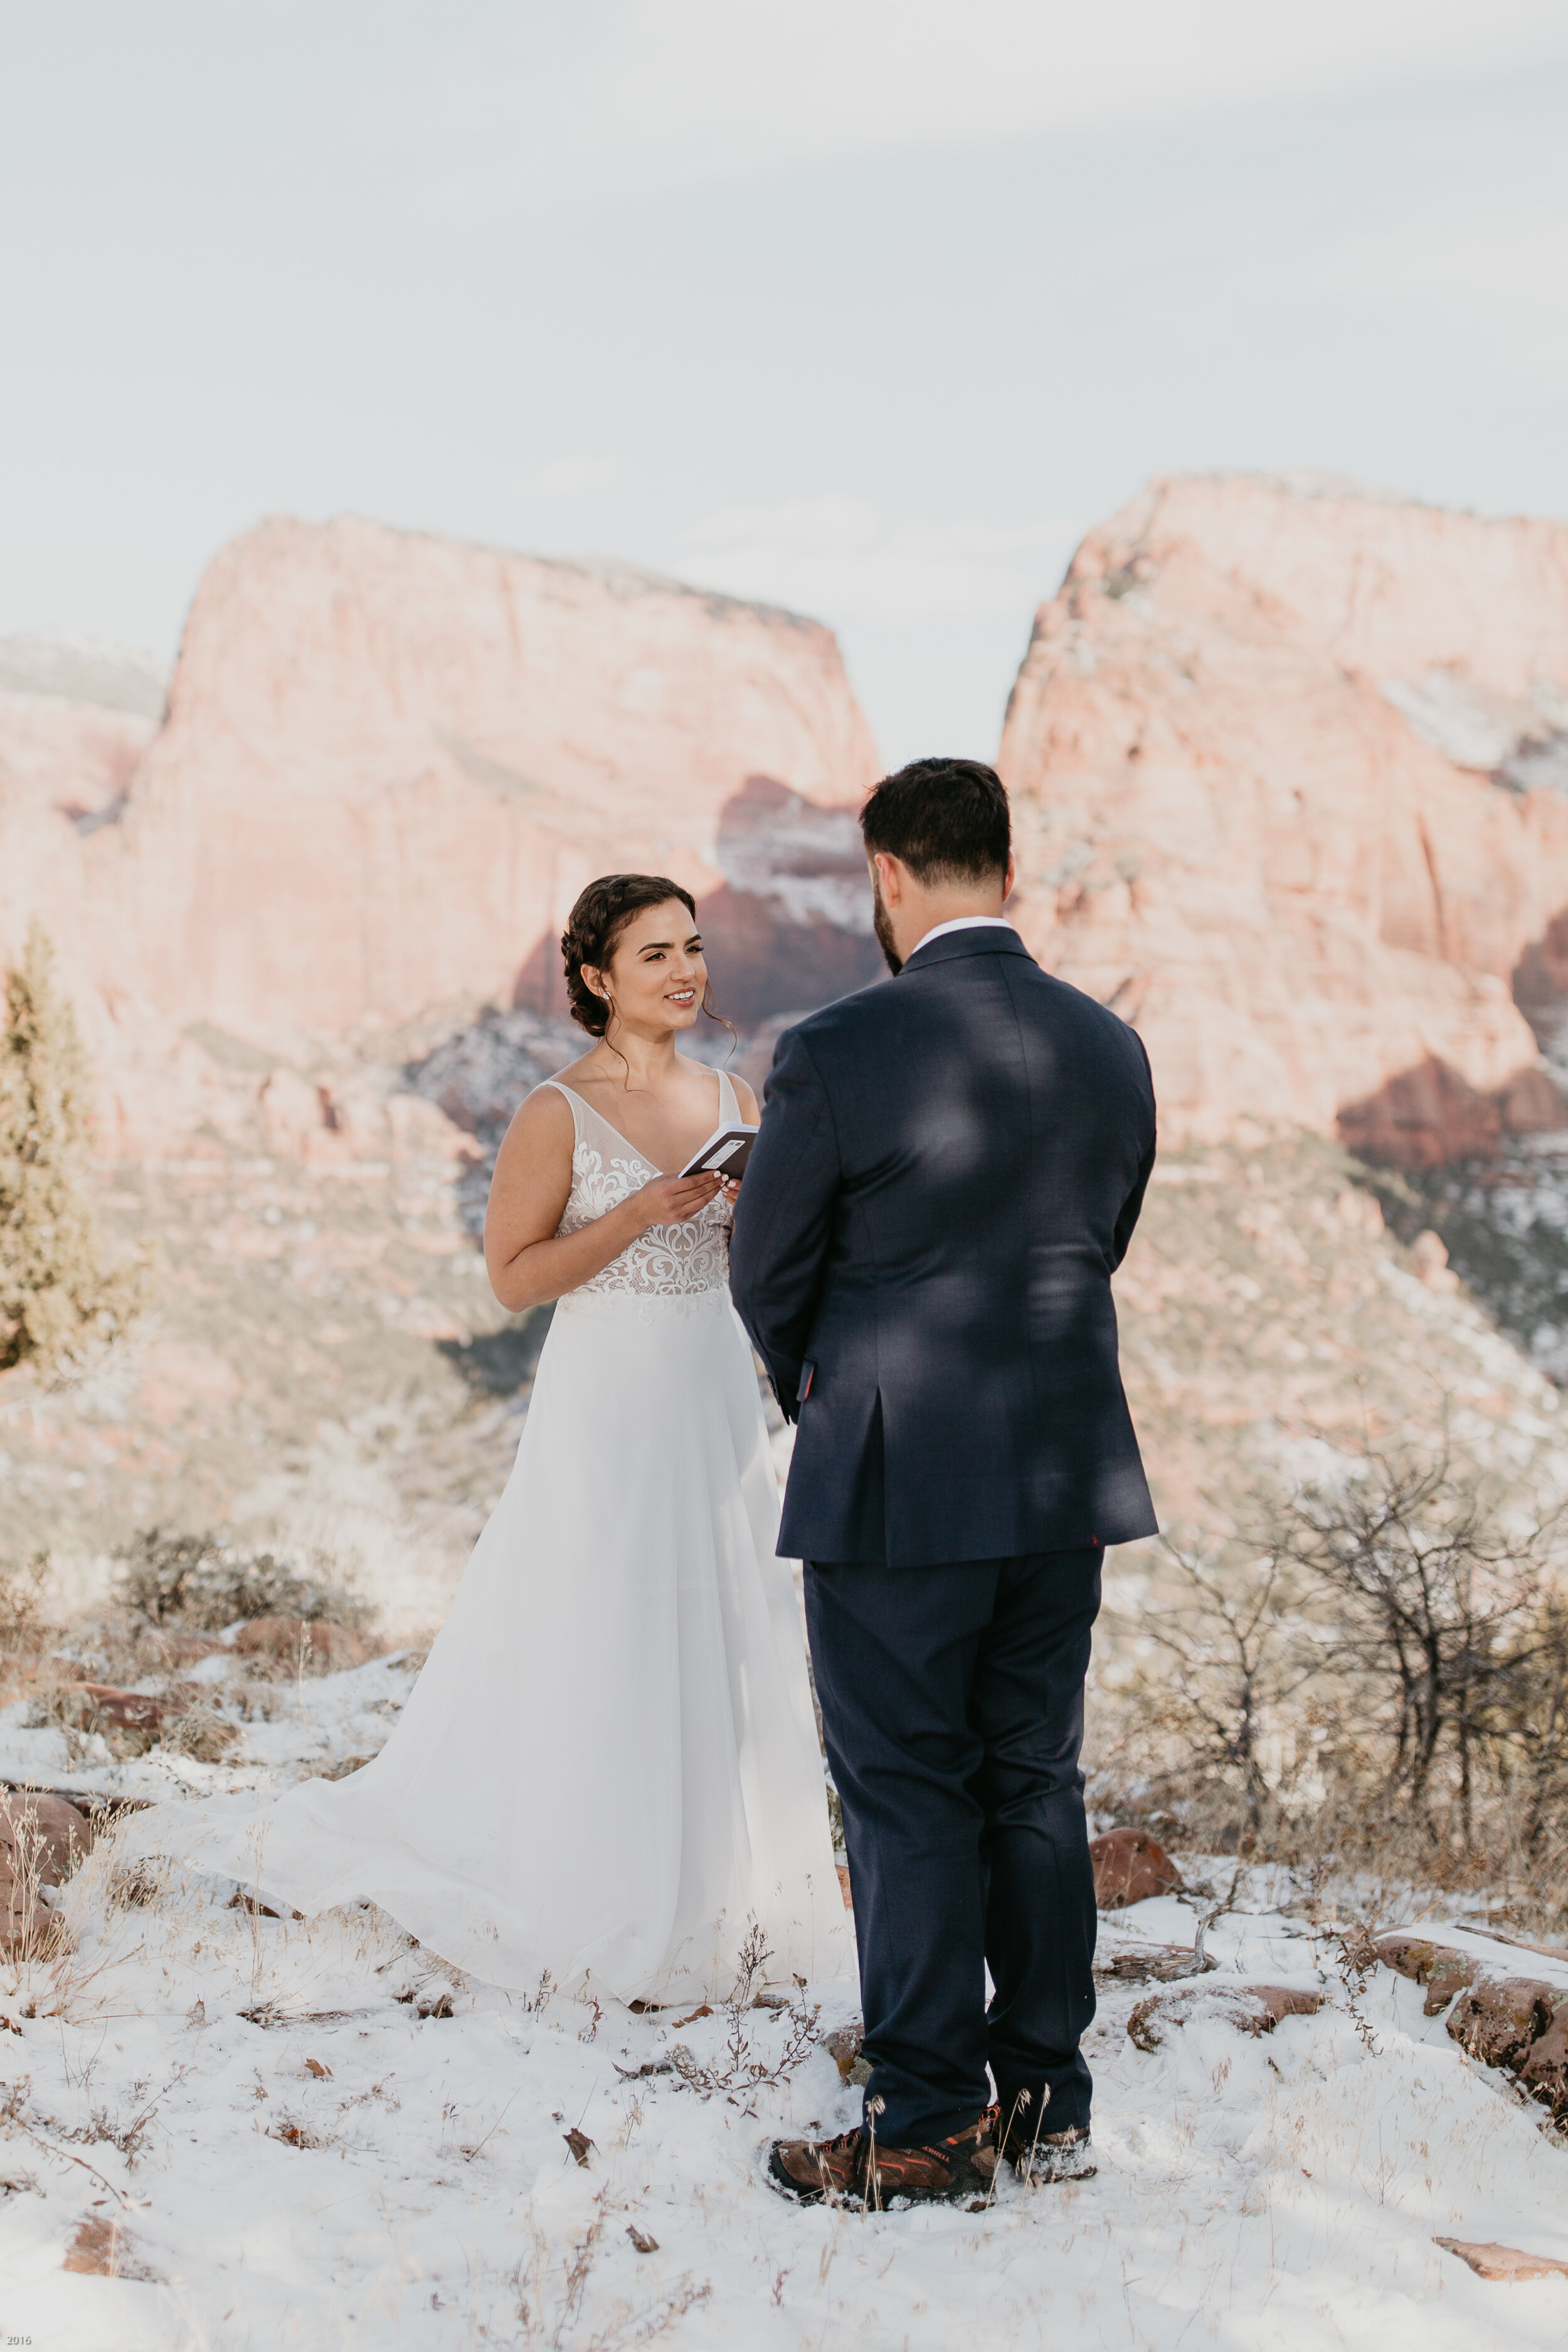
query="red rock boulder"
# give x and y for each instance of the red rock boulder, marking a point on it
(1128, 1867)
(1500, 2018)
(1544, 2074)
(105, 1707)
(1443, 1970)
(1490, 2260)
(845, 2046)
(29, 1928)
(1248, 2009)
(41, 1835)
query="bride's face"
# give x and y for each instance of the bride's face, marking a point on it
(657, 977)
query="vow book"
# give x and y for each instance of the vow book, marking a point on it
(725, 1153)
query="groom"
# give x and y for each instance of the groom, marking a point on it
(947, 1174)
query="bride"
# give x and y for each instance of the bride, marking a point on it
(608, 1768)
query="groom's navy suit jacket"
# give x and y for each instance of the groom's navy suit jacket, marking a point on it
(948, 1171)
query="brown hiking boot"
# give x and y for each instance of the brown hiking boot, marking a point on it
(1053, 2156)
(866, 2176)
(818, 2171)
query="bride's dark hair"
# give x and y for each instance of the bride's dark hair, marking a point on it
(593, 929)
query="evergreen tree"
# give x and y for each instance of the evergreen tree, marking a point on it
(57, 1296)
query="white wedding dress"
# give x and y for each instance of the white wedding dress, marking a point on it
(608, 1769)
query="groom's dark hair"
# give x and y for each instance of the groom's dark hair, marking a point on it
(947, 819)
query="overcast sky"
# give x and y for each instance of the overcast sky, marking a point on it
(869, 307)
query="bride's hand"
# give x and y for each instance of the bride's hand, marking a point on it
(670, 1200)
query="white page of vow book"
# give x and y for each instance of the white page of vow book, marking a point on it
(725, 1153)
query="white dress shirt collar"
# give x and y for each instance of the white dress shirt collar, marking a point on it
(959, 923)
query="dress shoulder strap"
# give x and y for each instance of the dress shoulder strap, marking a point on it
(728, 1107)
(577, 1108)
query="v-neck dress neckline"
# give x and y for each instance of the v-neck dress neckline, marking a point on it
(726, 1091)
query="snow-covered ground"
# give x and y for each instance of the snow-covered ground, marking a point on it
(290, 2153)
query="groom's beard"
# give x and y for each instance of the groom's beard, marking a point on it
(884, 932)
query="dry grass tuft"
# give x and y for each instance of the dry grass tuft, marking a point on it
(201, 1732)
(138, 1886)
(101, 2249)
(554, 2313)
(742, 2072)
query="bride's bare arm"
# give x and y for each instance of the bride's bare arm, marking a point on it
(527, 1263)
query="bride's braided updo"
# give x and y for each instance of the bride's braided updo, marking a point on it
(595, 924)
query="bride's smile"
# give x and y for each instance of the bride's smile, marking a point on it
(656, 978)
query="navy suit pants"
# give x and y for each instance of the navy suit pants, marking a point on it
(952, 1706)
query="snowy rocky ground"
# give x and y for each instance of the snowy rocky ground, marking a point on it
(223, 2130)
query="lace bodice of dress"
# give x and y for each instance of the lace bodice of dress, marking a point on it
(683, 1261)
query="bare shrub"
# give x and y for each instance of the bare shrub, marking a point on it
(1431, 1594)
(130, 2137)
(203, 1582)
(1374, 1677)
(1526, 1722)
(1228, 1660)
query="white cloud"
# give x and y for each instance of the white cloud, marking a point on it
(570, 478)
(638, 92)
(843, 559)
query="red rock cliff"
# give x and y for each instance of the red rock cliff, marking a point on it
(1290, 768)
(389, 764)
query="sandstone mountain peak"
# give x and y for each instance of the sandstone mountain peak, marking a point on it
(389, 764)
(1389, 586)
(1287, 770)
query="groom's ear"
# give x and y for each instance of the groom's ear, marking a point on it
(887, 876)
